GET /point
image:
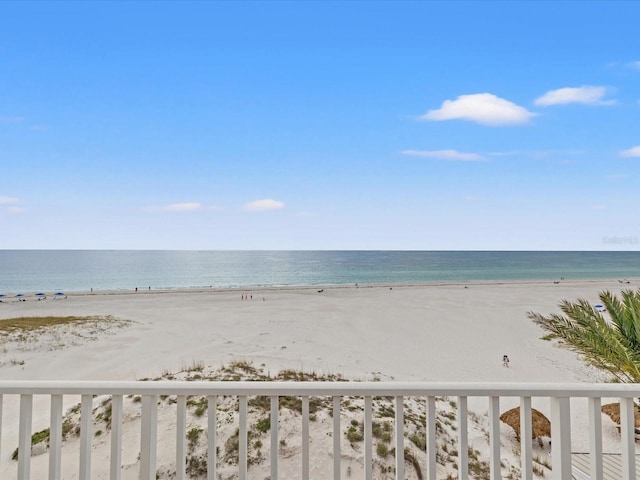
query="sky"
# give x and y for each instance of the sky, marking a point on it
(320, 125)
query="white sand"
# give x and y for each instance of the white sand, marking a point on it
(408, 333)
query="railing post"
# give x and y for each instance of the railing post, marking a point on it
(274, 436)
(305, 438)
(526, 429)
(560, 438)
(116, 437)
(368, 447)
(463, 439)
(148, 437)
(212, 457)
(399, 421)
(432, 445)
(55, 437)
(627, 434)
(86, 434)
(336, 438)
(595, 438)
(24, 437)
(242, 437)
(494, 438)
(181, 436)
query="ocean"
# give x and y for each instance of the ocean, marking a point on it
(47, 271)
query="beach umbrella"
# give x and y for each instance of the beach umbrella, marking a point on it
(19, 295)
(58, 294)
(2, 295)
(541, 426)
(40, 294)
(613, 410)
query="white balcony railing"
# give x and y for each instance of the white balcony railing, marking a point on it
(560, 397)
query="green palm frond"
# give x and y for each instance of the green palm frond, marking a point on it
(611, 344)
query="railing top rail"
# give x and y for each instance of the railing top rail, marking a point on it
(321, 388)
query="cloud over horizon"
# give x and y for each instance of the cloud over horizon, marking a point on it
(15, 210)
(183, 207)
(632, 152)
(5, 200)
(586, 95)
(483, 108)
(450, 155)
(263, 205)
(179, 207)
(10, 205)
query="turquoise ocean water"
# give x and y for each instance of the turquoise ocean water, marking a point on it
(29, 271)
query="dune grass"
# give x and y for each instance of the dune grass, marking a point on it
(24, 324)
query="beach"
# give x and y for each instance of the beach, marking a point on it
(447, 332)
(437, 332)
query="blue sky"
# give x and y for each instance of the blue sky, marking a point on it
(320, 125)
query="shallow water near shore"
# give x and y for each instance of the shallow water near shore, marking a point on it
(83, 270)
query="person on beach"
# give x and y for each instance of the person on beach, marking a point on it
(505, 361)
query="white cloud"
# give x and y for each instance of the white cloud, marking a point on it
(11, 119)
(598, 207)
(616, 176)
(635, 65)
(452, 155)
(183, 207)
(587, 95)
(482, 108)
(15, 210)
(8, 200)
(631, 152)
(263, 205)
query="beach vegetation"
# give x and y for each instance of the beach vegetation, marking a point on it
(386, 411)
(610, 343)
(201, 405)
(355, 432)
(231, 448)
(196, 466)
(243, 365)
(419, 439)
(381, 431)
(194, 366)
(382, 450)
(261, 402)
(263, 425)
(25, 324)
(193, 435)
(36, 438)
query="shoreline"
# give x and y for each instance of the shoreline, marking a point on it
(630, 282)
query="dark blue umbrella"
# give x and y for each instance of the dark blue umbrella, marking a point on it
(58, 294)
(20, 295)
(2, 295)
(40, 294)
